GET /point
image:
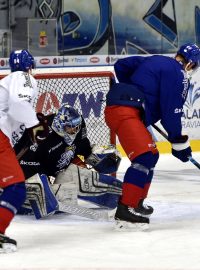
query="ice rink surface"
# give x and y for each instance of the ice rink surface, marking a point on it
(70, 242)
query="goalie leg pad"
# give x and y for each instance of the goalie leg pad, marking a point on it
(66, 186)
(106, 200)
(80, 183)
(85, 181)
(111, 181)
(91, 183)
(40, 196)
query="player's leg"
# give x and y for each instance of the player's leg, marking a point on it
(14, 191)
(140, 149)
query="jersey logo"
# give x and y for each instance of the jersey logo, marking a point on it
(25, 97)
(27, 80)
(66, 158)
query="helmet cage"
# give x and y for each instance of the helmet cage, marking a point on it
(67, 118)
(73, 124)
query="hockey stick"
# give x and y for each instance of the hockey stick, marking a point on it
(75, 209)
(191, 159)
(22, 152)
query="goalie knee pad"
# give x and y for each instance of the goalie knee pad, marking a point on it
(66, 185)
(13, 197)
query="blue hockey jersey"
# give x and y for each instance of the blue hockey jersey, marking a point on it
(164, 84)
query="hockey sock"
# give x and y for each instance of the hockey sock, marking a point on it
(145, 190)
(5, 218)
(136, 178)
(131, 195)
(150, 176)
(10, 201)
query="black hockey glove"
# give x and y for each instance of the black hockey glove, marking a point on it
(181, 148)
(39, 132)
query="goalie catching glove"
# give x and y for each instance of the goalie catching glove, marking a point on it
(181, 148)
(104, 159)
(40, 131)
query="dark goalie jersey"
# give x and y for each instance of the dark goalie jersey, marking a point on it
(53, 154)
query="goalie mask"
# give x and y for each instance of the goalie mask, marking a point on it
(67, 123)
(21, 60)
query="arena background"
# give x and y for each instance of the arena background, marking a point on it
(81, 33)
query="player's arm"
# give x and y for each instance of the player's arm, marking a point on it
(22, 94)
(125, 67)
(172, 101)
(23, 90)
(171, 104)
(40, 131)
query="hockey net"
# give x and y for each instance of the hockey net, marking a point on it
(85, 91)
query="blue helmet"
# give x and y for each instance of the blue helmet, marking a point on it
(191, 53)
(21, 60)
(66, 117)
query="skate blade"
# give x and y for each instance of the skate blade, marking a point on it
(128, 226)
(8, 248)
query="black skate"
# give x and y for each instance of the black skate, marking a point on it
(144, 209)
(127, 218)
(7, 245)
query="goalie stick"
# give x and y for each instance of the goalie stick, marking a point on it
(191, 159)
(22, 152)
(75, 209)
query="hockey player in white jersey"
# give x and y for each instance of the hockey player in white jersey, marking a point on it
(17, 91)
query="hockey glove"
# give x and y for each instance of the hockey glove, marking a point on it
(104, 159)
(181, 148)
(39, 132)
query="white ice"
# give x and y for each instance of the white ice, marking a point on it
(70, 242)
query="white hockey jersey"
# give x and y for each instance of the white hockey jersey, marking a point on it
(17, 91)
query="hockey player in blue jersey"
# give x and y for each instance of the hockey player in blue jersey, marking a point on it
(150, 89)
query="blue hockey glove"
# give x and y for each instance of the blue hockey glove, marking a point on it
(181, 148)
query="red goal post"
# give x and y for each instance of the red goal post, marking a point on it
(85, 91)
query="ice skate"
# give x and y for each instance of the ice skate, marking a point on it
(144, 209)
(127, 218)
(7, 245)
